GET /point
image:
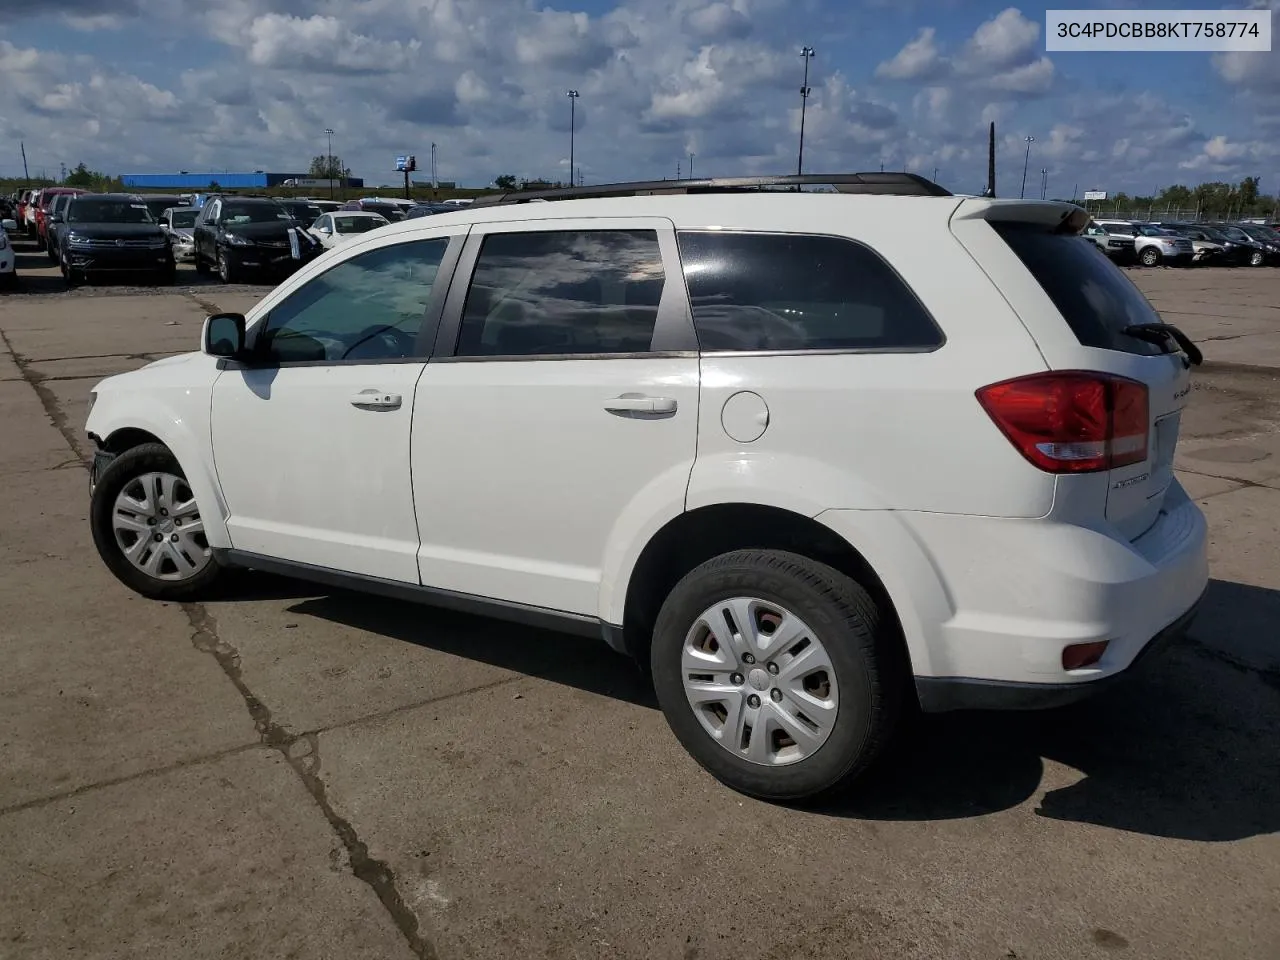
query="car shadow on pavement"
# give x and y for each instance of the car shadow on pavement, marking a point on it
(582, 662)
(1188, 748)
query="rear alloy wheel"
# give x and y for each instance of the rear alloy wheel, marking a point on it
(1255, 258)
(776, 673)
(1150, 256)
(148, 527)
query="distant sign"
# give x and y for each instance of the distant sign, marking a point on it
(1095, 194)
(402, 164)
(305, 182)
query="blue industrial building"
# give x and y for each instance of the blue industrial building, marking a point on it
(227, 181)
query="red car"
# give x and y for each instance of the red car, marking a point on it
(42, 210)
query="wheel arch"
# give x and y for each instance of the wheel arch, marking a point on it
(139, 422)
(695, 536)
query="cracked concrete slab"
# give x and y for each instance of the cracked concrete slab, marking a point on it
(89, 368)
(122, 324)
(324, 659)
(31, 444)
(221, 859)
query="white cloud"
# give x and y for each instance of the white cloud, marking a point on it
(1006, 40)
(918, 60)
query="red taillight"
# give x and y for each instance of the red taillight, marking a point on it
(1072, 421)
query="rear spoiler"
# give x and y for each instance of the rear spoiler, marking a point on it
(1060, 216)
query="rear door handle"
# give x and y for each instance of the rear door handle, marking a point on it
(635, 404)
(376, 400)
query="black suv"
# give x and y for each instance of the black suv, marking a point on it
(111, 233)
(237, 236)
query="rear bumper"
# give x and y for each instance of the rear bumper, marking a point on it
(987, 602)
(944, 694)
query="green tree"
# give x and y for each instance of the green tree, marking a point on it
(328, 168)
(83, 177)
(1248, 193)
(505, 182)
(214, 186)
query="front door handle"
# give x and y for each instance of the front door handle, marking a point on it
(376, 400)
(639, 405)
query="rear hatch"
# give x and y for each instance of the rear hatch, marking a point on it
(1086, 315)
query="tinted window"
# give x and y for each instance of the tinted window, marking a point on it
(358, 224)
(1095, 298)
(107, 211)
(370, 307)
(563, 292)
(184, 218)
(233, 213)
(797, 292)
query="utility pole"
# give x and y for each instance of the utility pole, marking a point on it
(808, 54)
(25, 174)
(573, 111)
(329, 170)
(691, 166)
(435, 177)
(678, 170)
(1044, 183)
(935, 174)
(1027, 159)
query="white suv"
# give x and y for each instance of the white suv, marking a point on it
(813, 457)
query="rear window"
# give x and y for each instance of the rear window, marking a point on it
(1093, 295)
(773, 291)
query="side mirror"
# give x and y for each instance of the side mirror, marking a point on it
(326, 229)
(223, 335)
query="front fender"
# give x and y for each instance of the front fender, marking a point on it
(177, 416)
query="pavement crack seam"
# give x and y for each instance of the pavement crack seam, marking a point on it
(302, 753)
(206, 305)
(47, 399)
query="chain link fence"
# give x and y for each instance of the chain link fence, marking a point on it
(1105, 210)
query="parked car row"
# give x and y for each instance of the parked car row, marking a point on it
(1177, 243)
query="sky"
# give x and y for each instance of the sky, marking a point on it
(145, 86)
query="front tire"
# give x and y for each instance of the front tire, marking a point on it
(148, 527)
(1256, 258)
(227, 272)
(1149, 257)
(777, 673)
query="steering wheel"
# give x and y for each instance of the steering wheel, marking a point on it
(379, 340)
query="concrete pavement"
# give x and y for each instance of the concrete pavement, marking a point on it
(295, 772)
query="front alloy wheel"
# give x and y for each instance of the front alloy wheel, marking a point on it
(148, 528)
(1150, 257)
(1256, 258)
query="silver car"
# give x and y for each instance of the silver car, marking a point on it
(178, 223)
(1152, 245)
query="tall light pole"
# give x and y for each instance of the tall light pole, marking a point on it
(807, 53)
(1027, 159)
(573, 105)
(329, 132)
(691, 166)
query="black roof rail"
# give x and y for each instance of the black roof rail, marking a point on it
(896, 184)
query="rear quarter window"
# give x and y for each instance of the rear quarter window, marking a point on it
(1093, 295)
(798, 292)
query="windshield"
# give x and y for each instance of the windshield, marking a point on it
(1124, 229)
(357, 224)
(305, 212)
(184, 218)
(253, 213)
(108, 211)
(384, 209)
(1259, 233)
(158, 207)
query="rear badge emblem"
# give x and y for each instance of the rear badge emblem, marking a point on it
(1131, 481)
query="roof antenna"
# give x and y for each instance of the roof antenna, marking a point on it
(991, 162)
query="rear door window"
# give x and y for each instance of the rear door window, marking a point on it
(798, 292)
(563, 292)
(1093, 295)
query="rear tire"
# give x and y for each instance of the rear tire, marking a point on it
(1256, 258)
(1149, 257)
(810, 611)
(126, 472)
